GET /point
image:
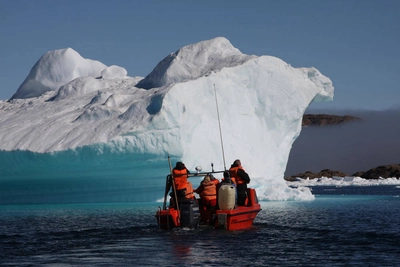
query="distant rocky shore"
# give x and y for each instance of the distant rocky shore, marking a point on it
(384, 171)
(325, 119)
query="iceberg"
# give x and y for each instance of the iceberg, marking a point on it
(69, 103)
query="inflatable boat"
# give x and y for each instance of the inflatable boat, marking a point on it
(226, 214)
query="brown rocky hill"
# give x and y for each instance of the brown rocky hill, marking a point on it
(384, 171)
(326, 119)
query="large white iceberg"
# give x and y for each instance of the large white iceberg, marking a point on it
(261, 101)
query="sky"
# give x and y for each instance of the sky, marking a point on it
(355, 43)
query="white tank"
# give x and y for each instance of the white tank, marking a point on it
(226, 197)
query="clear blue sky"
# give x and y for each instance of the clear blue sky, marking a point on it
(356, 43)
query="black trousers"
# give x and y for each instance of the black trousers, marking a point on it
(242, 194)
(181, 194)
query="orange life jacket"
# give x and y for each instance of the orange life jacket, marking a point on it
(180, 178)
(189, 191)
(234, 176)
(209, 190)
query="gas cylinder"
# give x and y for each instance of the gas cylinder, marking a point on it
(226, 197)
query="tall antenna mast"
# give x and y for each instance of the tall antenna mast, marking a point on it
(219, 124)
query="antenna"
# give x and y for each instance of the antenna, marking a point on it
(219, 124)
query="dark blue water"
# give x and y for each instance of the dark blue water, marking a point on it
(343, 226)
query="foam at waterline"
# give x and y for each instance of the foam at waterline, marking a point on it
(344, 181)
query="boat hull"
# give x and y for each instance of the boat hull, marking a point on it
(168, 219)
(238, 218)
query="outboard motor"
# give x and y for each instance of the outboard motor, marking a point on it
(190, 213)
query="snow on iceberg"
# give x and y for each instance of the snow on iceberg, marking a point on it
(173, 111)
(194, 61)
(54, 69)
(113, 72)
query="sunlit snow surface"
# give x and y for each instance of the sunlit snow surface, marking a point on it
(80, 102)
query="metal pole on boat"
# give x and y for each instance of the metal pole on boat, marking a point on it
(174, 187)
(219, 125)
(166, 185)
(165, 193)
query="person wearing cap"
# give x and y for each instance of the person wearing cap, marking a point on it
(241, 178)
(228, 179)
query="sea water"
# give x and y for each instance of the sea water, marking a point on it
(343, 226)
(95, 207)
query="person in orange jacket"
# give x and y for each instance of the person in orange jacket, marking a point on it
(180, 177)
(189, 191)
(208, 191)
(241, 178)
